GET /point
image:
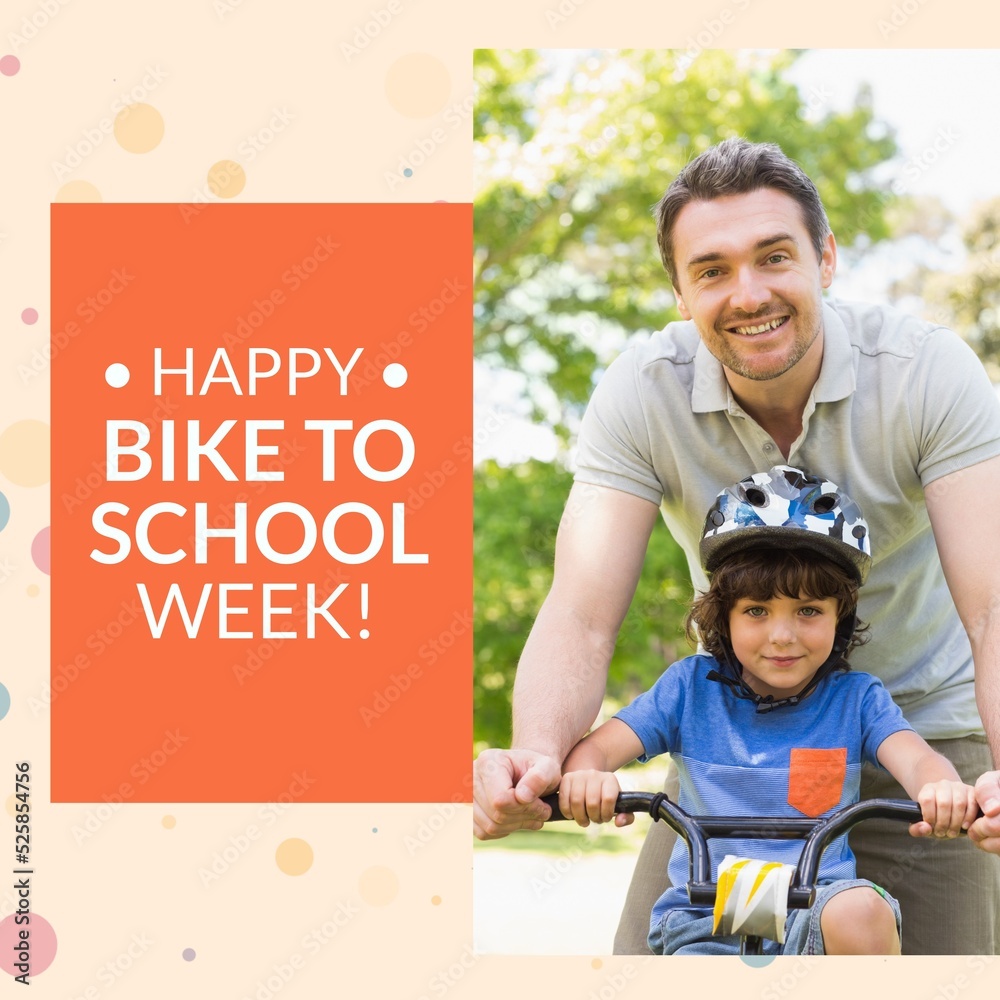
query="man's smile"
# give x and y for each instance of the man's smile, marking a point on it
(761, 326)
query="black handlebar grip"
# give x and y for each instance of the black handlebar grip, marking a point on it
(553, 802)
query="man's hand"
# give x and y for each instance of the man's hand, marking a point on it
(948, 807)
(985, 832)
(506, 789)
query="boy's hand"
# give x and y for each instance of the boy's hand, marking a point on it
(590, 795)
(948, 807)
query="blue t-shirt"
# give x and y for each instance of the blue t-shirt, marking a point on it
(795, 761)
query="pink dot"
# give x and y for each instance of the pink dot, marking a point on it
(29, 316)
(9, 65)
(40, 550)
(42, 944)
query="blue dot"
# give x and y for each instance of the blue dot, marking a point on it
(757, 961)
(4, 512)
(4, 701)
(374, 829)
(407, 172)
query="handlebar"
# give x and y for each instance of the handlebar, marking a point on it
(697, 830)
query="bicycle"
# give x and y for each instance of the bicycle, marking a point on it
(697, 830)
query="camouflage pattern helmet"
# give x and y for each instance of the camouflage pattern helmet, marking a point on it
(787, 508)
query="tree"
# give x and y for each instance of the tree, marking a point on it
(517, 513)
(969, 300)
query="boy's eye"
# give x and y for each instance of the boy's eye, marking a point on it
(810, 612)
(756, 612)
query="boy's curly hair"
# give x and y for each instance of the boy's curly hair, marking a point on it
(761, 574)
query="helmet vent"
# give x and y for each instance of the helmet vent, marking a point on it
(825, 503)
(755, 497)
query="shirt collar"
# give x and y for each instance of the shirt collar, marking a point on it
(837, 376)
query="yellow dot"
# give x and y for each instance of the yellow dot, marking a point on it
(378, 885)
(78, 191)
(596, 963)
(24, 453)
(435, 900)
(294, 856)
(418, 85)
(226, 179)
(168, 822)
(138, 128)
(11, 804)
(33, 590)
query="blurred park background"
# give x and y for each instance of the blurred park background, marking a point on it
(572, 150)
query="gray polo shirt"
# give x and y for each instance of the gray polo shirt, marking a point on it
(898, 404)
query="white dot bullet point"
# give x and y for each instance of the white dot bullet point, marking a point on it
(117, 375)
(394, 375)
(364, 633)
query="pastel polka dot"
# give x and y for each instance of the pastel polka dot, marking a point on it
(596, 964)
(169, 822)
(42, 949)
(29, 316)
(4, 701)
(294, 856)
(757, 961)
(40, 550)
(33, 590)
(138, 128)
(435, 900)
(188, 954)
(418, 85)
(378, 886)
(10, 65)
(24, 453)
(4, 511)
(226, 179)
(78, 191)
(11, 804)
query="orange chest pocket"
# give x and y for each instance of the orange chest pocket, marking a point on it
(816, 779)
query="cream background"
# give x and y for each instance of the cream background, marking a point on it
(227, 66)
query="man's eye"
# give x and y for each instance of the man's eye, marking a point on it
(777, 258)
(712, 272)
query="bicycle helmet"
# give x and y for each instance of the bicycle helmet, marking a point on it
(787, 508)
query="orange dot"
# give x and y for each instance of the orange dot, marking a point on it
(435, 900)
(168, 822)
(596, 964)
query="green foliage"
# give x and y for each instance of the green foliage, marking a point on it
(969, 301)
(565, 250)
(517, 512)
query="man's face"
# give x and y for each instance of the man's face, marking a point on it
(748, 276)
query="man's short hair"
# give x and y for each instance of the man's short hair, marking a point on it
(736, 166)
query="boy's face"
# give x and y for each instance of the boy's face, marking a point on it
(782, 642)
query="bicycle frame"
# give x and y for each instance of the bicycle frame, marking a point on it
(698, 830)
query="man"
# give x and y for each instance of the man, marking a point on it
(764, 371)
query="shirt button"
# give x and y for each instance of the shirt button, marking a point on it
(769, 447)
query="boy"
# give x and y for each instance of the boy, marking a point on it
(770, 721)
